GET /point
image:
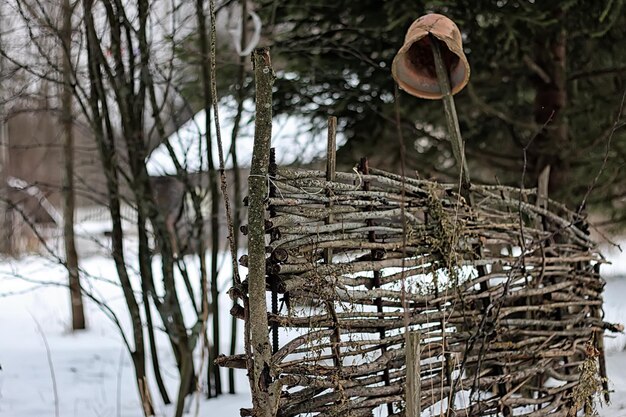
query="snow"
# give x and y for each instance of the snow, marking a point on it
(295, 140)
(92, 372)
(617, 258)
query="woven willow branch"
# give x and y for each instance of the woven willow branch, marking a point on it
(534, 314)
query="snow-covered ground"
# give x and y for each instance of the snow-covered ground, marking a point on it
(45, 367)
(48, 371)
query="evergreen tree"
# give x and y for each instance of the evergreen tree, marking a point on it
(559, 64)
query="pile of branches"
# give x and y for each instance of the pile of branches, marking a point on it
(504, 294)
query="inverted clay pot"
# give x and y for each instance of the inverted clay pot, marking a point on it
(414, 68)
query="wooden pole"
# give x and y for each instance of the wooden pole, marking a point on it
(542, 188)
(452, 120)
(458, 150)
(262, 400)
(331, 167)
(331, 158)
(375, 254)
(413, 387)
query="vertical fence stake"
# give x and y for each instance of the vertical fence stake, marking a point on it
(263, 402)
(273, 278)
(331, 166)
(542, 188)
(331, 158)
(413, 388)
(458, 150)
(375, 254)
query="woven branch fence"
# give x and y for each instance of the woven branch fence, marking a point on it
(503, 299)
(372, 294)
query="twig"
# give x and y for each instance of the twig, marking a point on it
(50, 365)
(120, 370)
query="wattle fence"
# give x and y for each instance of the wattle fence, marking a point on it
(504, 297)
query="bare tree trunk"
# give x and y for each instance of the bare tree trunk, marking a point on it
(100, 119)
(147, 289)
(71, 257)
(6, 226)
(133, 127)
(213, 370)
(199, 236)
(6, 217)
(237, 180)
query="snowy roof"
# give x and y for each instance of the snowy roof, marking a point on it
(294, 138)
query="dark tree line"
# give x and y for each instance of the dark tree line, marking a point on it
(561, 64)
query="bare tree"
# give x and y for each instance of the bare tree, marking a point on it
(5, 221)
(241, 72)
(205, 62)
(118, 79)
(71, 257)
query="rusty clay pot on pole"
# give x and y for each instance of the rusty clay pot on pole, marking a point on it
(431, 65)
